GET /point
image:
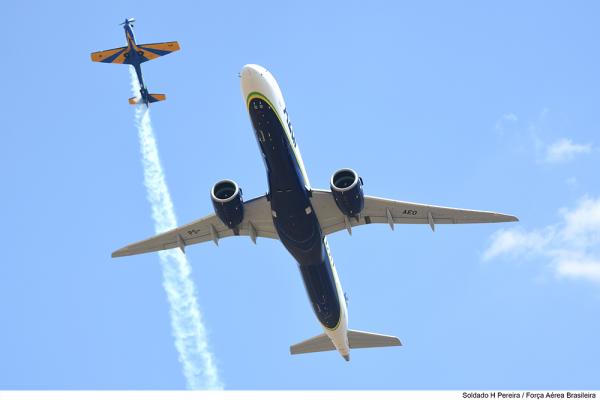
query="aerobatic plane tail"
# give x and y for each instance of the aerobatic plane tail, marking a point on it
(152, 98)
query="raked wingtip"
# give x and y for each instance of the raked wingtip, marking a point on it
(506, 218)
(119, 253)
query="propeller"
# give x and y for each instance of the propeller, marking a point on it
(128, 21)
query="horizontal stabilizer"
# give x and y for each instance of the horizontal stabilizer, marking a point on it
(356, 340)
(152, 98)
(363, 340)
(315, 344)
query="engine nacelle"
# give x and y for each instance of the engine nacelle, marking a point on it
(346, 187)
(227, 200)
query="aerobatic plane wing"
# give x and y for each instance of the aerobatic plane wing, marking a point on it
(115, 56)
(257, 222)
(384, 211)
(154, 50)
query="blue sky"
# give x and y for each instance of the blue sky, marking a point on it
(470, 104)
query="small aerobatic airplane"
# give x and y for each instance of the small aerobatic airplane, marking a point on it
(301, 217)
(134, 55)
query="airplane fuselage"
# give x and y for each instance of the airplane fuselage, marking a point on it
(289, 196)
(134, 58)
(134, 55)
(299, 216)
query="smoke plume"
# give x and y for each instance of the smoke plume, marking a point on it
(189, 332)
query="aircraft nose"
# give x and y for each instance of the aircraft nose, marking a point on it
(255, 78)
(250, 71)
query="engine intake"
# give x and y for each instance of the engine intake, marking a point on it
(346, 187)
(227, 200)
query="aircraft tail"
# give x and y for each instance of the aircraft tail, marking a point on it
(152, 98)
(356, 340)
(362, 340)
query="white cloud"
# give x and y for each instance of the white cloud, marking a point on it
(571, 247)
(517, 241)
(504, 120)
(564, 150)
(582, 225)
(572, 183)
(580, 268)
(534, 135)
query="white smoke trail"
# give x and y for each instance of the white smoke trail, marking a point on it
(186, 320)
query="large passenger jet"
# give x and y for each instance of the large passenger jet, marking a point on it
(301, 217)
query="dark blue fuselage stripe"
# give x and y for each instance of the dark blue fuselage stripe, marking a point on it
(299, 232)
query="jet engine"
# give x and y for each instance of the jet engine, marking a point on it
(346, 187)
(226, 197)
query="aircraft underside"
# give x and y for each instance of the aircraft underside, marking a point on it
(296, 223)
(301, 217)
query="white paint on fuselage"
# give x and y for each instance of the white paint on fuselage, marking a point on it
(257, 79)
(338, 336)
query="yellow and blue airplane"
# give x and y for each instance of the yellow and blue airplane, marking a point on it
(135, 54)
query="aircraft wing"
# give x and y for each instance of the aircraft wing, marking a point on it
(257, 223)
(384, 211)
(155, 50)
(115, 56)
